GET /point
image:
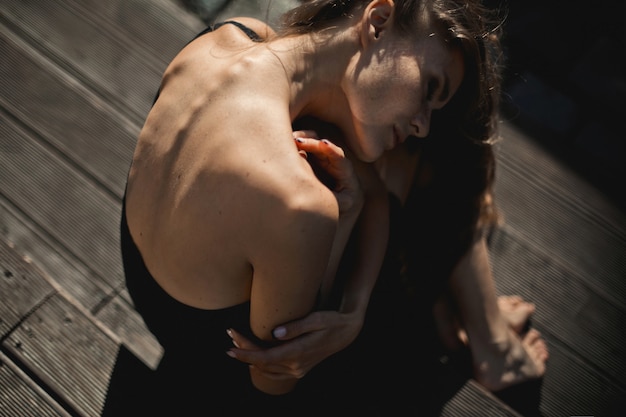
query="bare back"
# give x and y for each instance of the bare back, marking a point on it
(219, 203)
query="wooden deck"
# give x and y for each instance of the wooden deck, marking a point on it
(76, 80)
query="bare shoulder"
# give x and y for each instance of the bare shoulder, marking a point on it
(226, 38)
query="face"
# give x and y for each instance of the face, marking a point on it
(396, 85)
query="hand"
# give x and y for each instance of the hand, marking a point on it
(308, 342)
(334, 169)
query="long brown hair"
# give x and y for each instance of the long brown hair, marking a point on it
(451, 201)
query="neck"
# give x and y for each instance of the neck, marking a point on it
(315, 66)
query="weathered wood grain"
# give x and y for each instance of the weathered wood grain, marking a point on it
(21, 396)
(67, 206)
(584, 332)
(100, 58)
(22, 288)
(82, 127)
(68, 352)
(559, 213)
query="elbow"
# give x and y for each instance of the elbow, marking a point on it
(269, 385)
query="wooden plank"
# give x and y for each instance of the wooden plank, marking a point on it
(558, 212)
(75, 212)
(59, 344)
(52, 258)
(526, 153)
(115, 310)
(161, 27)
(117, 70)
(473, 400)
(77, 123)
(572, 387)
(563, 247)
(67, 352)
(588, 329)
(20, 396)
(120, 316)
(27, 287)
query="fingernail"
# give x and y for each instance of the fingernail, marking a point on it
(231, 354)
(279, 332)
(299, 140)
(229, 332)
(326, 141)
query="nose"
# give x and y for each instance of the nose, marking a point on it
(421, 122)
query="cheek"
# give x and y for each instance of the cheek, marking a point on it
(369, 92)
(386, 94)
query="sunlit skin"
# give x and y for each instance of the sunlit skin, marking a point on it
(425, 75)
(437, 80)
(216, 175)
(225, 210)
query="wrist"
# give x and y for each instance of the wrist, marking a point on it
(354, 311)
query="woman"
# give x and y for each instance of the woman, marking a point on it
(446, 188)
(226, 226)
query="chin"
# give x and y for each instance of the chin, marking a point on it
(370, 156)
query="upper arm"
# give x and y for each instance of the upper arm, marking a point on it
(289, 255)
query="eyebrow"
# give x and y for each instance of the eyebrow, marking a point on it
(445, 91)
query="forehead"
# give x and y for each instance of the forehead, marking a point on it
(435, 51)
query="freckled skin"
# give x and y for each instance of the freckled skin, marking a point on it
(221, 205)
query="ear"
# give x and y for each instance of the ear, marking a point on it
(378, 17)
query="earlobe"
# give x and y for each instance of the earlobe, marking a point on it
(379, 16)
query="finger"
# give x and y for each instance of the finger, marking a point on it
(305, 134)
(265, 360)
(328, 156)
(312, 322)
(249, 352)
(241, 341)
(320, 147)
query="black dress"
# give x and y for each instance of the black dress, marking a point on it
(194, 376)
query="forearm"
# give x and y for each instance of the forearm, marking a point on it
(473, 288)
(372, 232)
(345, 228)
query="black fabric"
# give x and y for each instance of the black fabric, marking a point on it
(372, 376)
(194, 367)
(388, 369)
(194, 376)
(251, 34)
